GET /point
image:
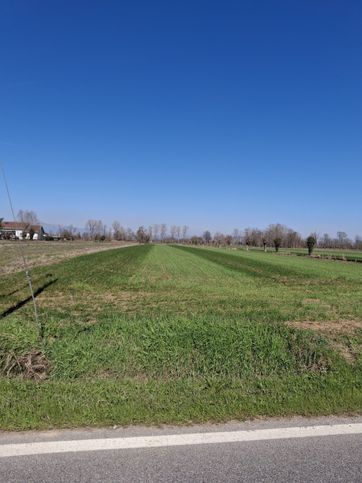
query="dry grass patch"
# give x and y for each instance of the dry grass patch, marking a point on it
(41, 253)
(33, 365)
(338, 333)
(328, 326)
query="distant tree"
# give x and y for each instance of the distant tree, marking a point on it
(156, 231)
(264, 241)
(173, 232)
(219, 239)
(142, 236)
(67, 232)
(254, 236)
(95, 228)
(342, 236)
(178, 233)
(277, 243)
(326, 241)
(358, 243)
(228, 240)
(292, 239)
(276, 234)
(150, 232)
(29, 217)
(196, 240)
(343, 240)
(247, 237)
(118, 231)
(207, 237)
(311, 242)
(130, 235)
(236, 237)
(184, 232)
(163, 231)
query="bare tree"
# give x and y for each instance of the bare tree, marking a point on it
(178, 233)
(95, 228)
(358, 243)
(236, 237)
(130, 235)
(156, 231)
(343, 240)
(264, 242)
(276, 235)
(196, 240)
(326, 241)
(118, 231)
(293, 239)
(67, 232)
(173, 231)
(219, 238)
(247, 237)
(150, 232)
(207, 237)
(142, 236)
(27, 216)
(184, 232)
(163, 231)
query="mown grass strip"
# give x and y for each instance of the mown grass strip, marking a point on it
(250, 266)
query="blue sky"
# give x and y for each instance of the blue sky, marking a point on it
(213, 114)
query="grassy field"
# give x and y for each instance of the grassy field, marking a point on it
(328, 253)
(46, 252)
(335, 253)
(161, 334)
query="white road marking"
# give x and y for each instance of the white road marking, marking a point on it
(36, 448)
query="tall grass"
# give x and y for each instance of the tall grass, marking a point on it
(164, 334)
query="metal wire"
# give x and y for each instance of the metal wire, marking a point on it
(21, 251)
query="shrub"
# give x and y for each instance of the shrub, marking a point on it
(311, 242)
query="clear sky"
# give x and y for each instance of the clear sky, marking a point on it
(218, 115)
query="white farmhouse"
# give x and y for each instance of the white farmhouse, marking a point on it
(21, 231)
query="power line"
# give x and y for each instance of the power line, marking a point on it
(21, 251)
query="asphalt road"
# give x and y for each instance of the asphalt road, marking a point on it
(293, 457)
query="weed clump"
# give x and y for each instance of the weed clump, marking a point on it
(33, 365)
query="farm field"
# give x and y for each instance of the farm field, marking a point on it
(175, 334)
(47, 252)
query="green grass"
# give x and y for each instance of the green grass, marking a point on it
(46, 252)
(341, 254)
(162, 334)
(334, 253)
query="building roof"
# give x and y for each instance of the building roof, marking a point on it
(19, 225)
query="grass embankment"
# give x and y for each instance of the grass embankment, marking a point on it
(160, 334)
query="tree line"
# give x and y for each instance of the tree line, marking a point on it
(97, 230)
(275, 235)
